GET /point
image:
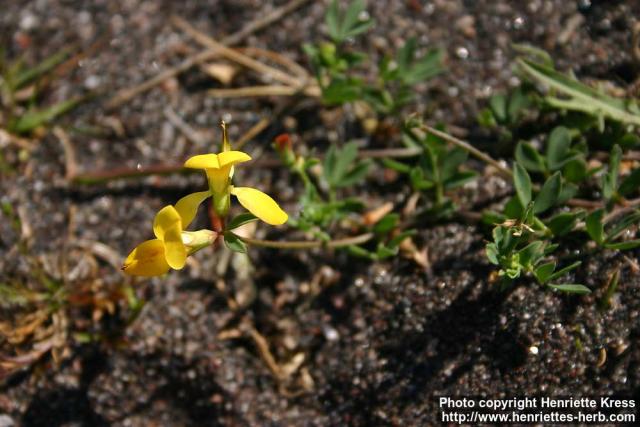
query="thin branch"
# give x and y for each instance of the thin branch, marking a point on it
(100, 177)
(266, 121)
(470, 149)
(261, 22)
(70, 162)
(397, 153)
(309, 244)
(8, 138)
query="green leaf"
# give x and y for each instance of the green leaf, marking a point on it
(450, 162)
(33, 119)
(486, 118)
(492, 217)
(571, 288)
(387, 223)
(352, 24)
(361, 252)
(539, 55)
(400, 237)
(529, 157)
(423, 68)
(518, 101)
(630, 184)
(348, 25)
(342, 162)
(355, 175)
(567, 191)
(563, 223)
(623, 246)
(610, 179)
(383, 251)
(492, 253)
(530, 254)
(459, 179)
(396, 166)
(406, 54)
(575, 170)
(581, 97)
(233, 242)
(543, 272)
(498, 106)
(331, 19)
(564, 270)
(622, 224)
(28, 75)
(342, 90)
(548, 195)
(522, 182)
(240, 220)
(605, 301)
(558, 147)
(595, 227)
(513, 208)
(329, 163)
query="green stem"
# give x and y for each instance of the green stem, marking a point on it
(309, 244)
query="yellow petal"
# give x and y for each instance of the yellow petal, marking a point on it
(147, 259)
(230, 158)
(216, 161)
(261, 205)
(187, 207)
(203, 161)
(167, 218)
(174, 250)
(219, 179)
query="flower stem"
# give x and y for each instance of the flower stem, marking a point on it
(308, 244)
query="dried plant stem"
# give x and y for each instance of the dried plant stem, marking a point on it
(235, 55)
(254, 131)
(101, 177)
(397, 153)
(8, 138)
(278, 58)
(267, 90)
(309, 244)
(629, 206)
(263, 21)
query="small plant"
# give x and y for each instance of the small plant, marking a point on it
(437, 172)
(20, 90)
(323, 209)
(48, 312)
(586, 121)
(335, 65)
(320, 206)
(521, 243)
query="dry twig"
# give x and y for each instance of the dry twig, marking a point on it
(235, 55)
(127, 94)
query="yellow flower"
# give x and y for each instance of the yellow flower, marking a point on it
(218, 168)
(172, 244)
